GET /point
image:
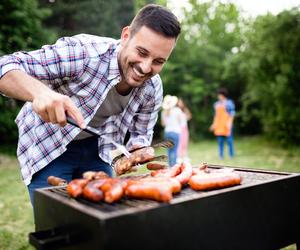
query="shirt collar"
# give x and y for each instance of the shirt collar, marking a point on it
(114, 71)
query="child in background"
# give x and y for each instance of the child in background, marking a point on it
(184, 134)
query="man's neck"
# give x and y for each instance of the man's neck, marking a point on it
(123, 88)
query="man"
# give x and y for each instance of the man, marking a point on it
(111, 85)
(222, 126)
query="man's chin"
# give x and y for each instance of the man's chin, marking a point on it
(134, 83)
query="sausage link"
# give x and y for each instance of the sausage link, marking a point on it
(139, 156)
(214, 180)
(149, 191)
(115, 193)
(170, 172)
(56, 181)
(155, 166)
(92, 191)
(185, 174)
(75, 187)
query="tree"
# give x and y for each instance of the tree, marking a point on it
(20, 29)
(209, 32)
(21, 25)
(271, 63)
(104, 18)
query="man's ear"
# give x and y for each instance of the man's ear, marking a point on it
(125, 35)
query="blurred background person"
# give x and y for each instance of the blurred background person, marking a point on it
(222, 126)
(184, 134)
(171, 120)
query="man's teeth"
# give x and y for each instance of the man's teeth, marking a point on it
(138, 73)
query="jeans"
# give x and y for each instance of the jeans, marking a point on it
(80, 156)
(172, 152)
(229, 143)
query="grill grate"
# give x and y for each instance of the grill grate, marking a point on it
(248, 177)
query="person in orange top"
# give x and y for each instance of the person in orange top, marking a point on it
(222, 126)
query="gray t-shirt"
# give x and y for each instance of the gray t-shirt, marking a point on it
(113, 104)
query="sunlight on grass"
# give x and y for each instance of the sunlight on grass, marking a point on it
(250, 153)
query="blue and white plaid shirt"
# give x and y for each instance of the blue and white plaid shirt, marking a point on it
(85, 68)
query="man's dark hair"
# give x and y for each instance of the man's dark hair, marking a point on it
(223, 91)
(157, 18)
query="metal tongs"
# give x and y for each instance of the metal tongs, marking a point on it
(162, 144)
(96, 132)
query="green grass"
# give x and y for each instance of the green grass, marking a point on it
(16, 218)
(249, 152)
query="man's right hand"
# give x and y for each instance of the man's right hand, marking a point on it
(53, 107)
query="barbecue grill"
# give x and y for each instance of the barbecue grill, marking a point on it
(261, 213)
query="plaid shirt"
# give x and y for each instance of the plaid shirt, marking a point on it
(85, 68)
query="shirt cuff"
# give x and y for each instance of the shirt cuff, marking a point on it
(8, 67)
(140, 140)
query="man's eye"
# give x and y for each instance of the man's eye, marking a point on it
(159, 62)
(143, 54)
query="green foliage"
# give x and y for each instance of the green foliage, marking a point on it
(20, 29)
(104, 18)
(8, 128)
(271, 64)
(140, 3)
(209, 32)
(21, 25)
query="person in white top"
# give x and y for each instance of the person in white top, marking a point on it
(171, 118)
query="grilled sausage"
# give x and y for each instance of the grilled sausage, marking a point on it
(94, 175)
(139, 156)
(149, 190)
(75, 187)
(169, 172)
(209, 181)
(92, 193)
(155, 166)
(109, 189)
(56, 181)
(114, 193)
(185, 174)
(159, 181)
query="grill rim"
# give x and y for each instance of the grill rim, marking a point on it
(90, 209)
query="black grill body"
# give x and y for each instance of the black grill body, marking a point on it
(261, 213)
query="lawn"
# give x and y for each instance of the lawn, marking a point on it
(16, 219)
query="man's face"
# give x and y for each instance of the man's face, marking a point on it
(143, 55)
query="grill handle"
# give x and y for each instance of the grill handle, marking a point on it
(54, 238)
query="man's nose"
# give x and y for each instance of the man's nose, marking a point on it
(146, 66)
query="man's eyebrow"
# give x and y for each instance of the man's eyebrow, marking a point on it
(142, 49)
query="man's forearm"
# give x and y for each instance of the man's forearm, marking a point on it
(48, 104)
(19, 85)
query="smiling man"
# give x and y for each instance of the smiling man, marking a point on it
(112, 85)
